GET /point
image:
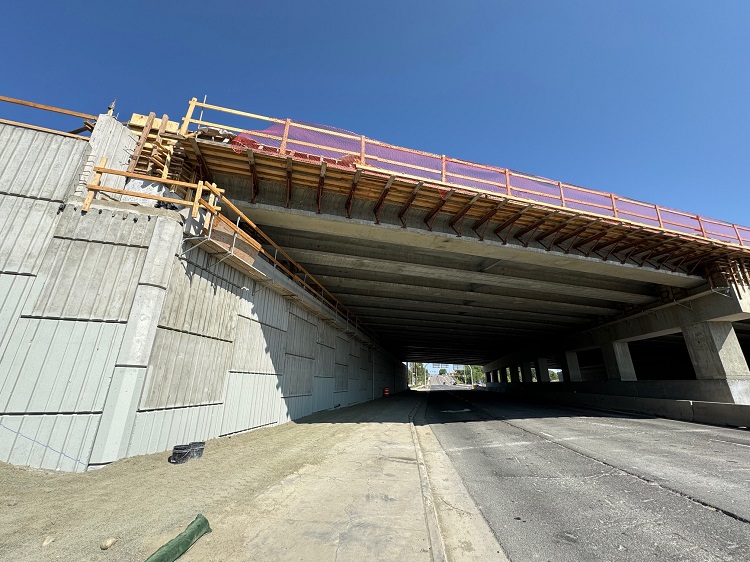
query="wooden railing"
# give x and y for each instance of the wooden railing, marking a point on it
(192, 195)
(88, 120)
(289, 136)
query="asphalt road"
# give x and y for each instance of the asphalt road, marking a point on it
(559, 483)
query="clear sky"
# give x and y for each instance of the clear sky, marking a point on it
(648, 99)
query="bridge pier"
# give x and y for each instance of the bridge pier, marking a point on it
(716, 354)
(542, 370)
(617, 361)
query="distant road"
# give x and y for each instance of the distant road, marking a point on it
(568, 484)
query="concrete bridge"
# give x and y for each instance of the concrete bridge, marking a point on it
(168, 283)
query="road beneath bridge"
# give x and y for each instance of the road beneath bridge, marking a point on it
(558, 483)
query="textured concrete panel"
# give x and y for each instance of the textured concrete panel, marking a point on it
(323, 394)
(258, 348)
(324, 362)
(185, 370)
(262, 304)
(87, 280)
(54, 442)
(341, 378)
(302, 337)
(342, 350)
(39, 165)
(252, 401)
(106, 224)
(58, 365)
(14, 290)
(200, 302)
(295, 407)
(161, 430)
(114, 141)
(29, 224)
(298, 375)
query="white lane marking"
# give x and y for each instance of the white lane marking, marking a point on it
(454, 411)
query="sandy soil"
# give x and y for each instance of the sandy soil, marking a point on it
(145, 501)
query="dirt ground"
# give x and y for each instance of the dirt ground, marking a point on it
(251, 487)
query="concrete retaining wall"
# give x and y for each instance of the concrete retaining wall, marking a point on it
(117, 339)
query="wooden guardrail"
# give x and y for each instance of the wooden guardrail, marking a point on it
(286, 135)
(88, 120)
(191, 195)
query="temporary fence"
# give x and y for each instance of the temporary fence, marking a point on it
(286, 136)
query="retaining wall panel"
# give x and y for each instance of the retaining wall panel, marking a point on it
(160, 430)
(258, 348)
(200, 302)
(341, 378)
(322, 394)
(54, 442)
(29, 224)
(298, 375)
(295, 407)
(85, 280)
(39, 165)
(58, 366)
(263, 305)
(302, 337)
(185, 370)
(252, 400)
(14, 291)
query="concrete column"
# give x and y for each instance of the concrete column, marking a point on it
(503, 375)
(716, 354)
(515, 375)
(526, 372)
(542, 371)
(571, 369)
(126, 386)
(618, 362)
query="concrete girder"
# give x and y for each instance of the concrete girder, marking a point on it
(376, 288)
(413, 235)
(315, 258)
(667, 319)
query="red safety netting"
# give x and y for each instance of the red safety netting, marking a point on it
(349, 149)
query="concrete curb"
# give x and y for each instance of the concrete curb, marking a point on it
(437, 548)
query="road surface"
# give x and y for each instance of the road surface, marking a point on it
(558, 483)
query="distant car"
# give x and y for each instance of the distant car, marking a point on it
(454, 383)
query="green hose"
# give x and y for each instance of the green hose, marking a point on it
(182, 542)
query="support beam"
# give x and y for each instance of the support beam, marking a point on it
(716, 354)
(510, 222)
(571, 370)
(288, 181)
(533, 226)
(542, 369)
(618, 362)
(381, 200)
(408, 203)
(459, 215)
(201, 161)
(321, 181)
(436, 209)
(526, 371)
(577, 232)
(350, 197)
(254, 187)
(486, 218)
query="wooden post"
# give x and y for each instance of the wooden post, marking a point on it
(737, 232)
(562, 194)
(188, 117)
(282, 148)
(507, 180)
(658, 216)
(700, 224)
(95, 181)
(442, 160)
(362, 150)
(196, 201)
(141, 142)
(614, 204)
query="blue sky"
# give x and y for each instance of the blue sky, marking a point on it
(646, 99)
